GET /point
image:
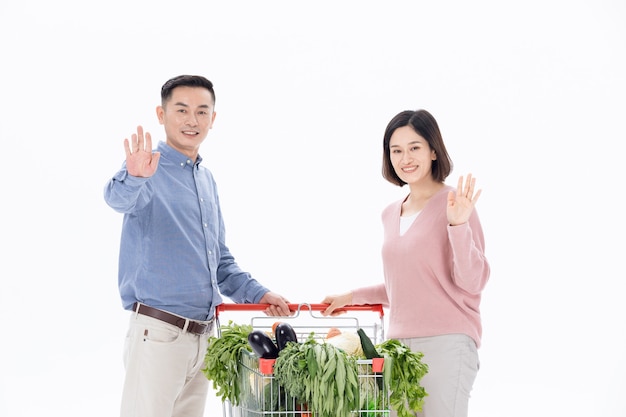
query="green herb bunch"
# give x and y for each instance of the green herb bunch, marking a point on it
(407, 369)
(321, 375)
(222, 358)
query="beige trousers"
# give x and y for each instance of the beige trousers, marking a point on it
(163, 370)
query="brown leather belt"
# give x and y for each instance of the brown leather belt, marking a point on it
(182, 323)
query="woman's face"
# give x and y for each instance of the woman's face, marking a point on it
(410, 155)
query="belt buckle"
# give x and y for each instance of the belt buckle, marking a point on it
(203, 328)
(207, 326)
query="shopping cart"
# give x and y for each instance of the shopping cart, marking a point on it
(261, 395)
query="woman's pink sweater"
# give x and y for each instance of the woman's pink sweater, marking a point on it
(434, 273)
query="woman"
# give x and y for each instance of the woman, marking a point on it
(434, 263)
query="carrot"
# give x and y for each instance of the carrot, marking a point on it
(274, 327)
(332, 332)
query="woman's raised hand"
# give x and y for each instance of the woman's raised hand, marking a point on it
(461, 204)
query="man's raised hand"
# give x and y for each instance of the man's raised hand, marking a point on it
(140, 160)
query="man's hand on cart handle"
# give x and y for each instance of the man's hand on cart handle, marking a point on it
(278, 305)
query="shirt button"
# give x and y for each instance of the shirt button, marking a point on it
(205, 225)
(210, 252)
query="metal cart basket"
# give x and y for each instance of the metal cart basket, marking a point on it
(261, 394)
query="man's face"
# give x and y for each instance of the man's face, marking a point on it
(187, 118)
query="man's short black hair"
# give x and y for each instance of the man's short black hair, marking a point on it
(188, 81)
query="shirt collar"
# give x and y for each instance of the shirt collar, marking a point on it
(173, 155)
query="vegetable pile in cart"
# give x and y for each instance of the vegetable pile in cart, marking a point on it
(335, 373)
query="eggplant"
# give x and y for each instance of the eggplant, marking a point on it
(284, 333)
(262, 345)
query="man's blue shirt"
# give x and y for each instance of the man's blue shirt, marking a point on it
(173, 254)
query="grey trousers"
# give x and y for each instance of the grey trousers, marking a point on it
(452, 368)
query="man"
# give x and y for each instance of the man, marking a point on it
(174, 262)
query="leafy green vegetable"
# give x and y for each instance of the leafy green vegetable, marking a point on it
(403, 377)
(320, 375)
(222, 358)
(272, 394)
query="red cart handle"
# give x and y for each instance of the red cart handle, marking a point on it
(376, 308)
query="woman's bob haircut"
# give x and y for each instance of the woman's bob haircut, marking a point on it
(425, 125)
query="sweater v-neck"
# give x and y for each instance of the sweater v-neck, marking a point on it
(419, 214)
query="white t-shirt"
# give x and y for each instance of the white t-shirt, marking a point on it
(406, 222)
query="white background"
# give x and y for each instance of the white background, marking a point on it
(530, 99)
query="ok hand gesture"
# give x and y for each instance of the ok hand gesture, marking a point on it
(140, 161)
(461, 203)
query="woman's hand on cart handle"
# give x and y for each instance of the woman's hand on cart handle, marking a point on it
(335, 303)
(277, 304)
